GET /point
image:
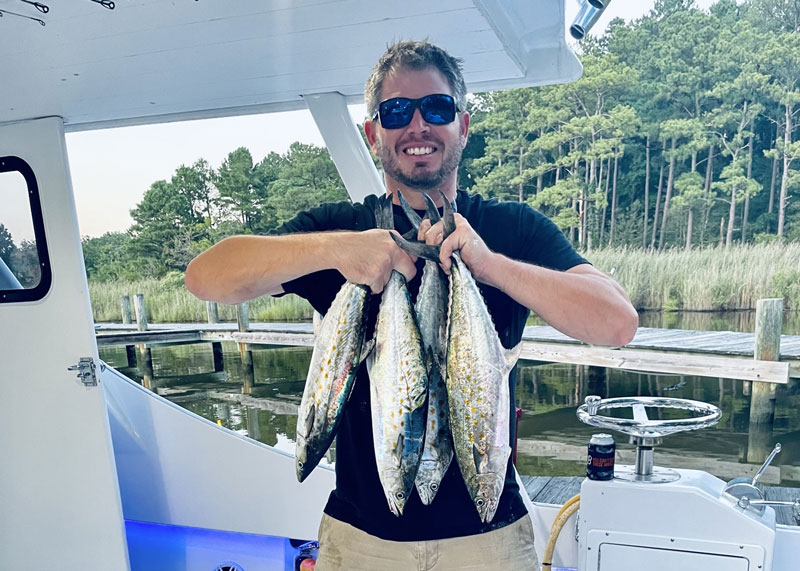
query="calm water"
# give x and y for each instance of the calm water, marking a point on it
(262, 404)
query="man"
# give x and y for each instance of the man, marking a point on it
(418, 127)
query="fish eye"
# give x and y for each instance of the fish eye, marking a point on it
(300, 463)
(400, 495)
(479, 503)
(434, 486)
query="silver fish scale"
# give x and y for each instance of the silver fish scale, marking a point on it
(478, 391)
(431, 309)
(334, 362)
(398, 386)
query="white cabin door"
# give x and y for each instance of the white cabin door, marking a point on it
(59, 497)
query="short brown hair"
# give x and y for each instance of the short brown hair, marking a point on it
(415, 55)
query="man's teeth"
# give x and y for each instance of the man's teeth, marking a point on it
(419, 150)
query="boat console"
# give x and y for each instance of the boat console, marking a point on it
(661, 519)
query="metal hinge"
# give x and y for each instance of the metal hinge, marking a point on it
(87, 372)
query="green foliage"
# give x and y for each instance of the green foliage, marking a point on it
(705, 279)
(7, 246)
(168, 301)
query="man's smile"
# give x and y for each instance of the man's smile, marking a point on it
(417, 151)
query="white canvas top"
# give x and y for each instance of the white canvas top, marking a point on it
(150, 61)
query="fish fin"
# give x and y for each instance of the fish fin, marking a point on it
(371, 356)
(388, 213)
(418, 248)
(397, 452)
(366, 349)
(477, 458)
(512, 355)
(448, 216)
(432, 213)
(309, 424)
(411, 214)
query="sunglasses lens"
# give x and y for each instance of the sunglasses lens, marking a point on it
(438, 109)
(396, 113)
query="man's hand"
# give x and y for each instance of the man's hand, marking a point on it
(369, 257)
(474, 251)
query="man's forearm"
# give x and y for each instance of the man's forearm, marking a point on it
(582, 302)
(241, 268)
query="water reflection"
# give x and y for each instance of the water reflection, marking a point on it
(259, 398)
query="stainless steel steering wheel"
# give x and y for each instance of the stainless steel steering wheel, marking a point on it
(644, 432)
(641, 426)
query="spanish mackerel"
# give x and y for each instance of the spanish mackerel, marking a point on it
(334, 362)
(431, 309)
(398, 385)
(477, 373)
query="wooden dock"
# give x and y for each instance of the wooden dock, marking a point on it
(719, 354)
(558, 489)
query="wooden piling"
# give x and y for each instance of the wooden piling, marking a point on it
(213, 311)
(769, 319)
(216, 349)
(146, 367)
(130, 354)
(141, 312)
(125, 307)
(249, 369)
(243, 317)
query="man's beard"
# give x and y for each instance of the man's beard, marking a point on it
(427, 180)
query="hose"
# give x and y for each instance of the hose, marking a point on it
(567, 510)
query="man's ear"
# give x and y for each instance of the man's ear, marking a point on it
(464, 128)
(371, 131)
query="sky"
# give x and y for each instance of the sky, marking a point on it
(112, 168)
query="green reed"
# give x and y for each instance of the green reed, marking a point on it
(705, 279)
(700, 280)
(168, 301)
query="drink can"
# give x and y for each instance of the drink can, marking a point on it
(600, 460)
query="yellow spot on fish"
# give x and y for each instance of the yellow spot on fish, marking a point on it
(483, 415)
(481, 435)
(474, 410)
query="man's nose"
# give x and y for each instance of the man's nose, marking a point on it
(418, 123)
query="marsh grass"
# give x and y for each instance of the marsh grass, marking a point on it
(168, 301)
(708, 279)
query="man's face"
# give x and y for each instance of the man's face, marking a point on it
(420, 155)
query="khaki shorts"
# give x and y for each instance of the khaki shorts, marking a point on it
(346, 548)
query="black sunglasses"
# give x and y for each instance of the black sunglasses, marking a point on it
(436, 109)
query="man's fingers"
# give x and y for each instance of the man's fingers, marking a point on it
(424, 226)
(407, 268)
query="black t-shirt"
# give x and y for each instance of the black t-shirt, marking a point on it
(512, 229)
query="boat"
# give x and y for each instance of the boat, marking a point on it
(111, 476)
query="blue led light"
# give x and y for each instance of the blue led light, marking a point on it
(155, 547)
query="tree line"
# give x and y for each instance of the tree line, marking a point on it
(684, 121)
(682, 132)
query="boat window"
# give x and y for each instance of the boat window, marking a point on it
(24, 262)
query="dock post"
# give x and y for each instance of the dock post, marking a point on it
(249, 369)
(213, 311)
(243, 316)
(141, 312)
(146, 367)
(130, 353)
(125, 306)
(769, 318)
(216, 349)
